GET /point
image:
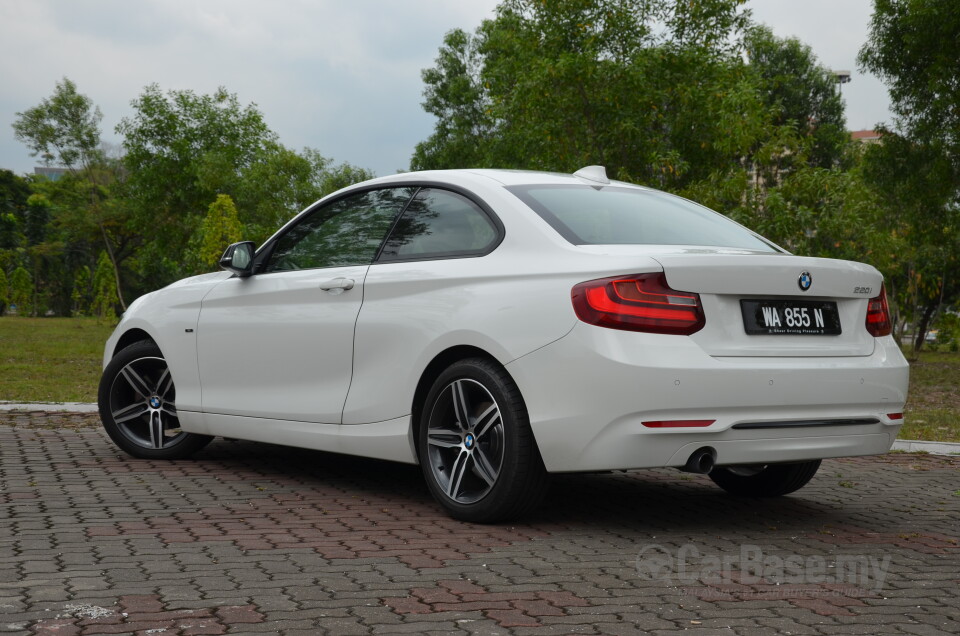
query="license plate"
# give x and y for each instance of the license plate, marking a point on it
(790, 317)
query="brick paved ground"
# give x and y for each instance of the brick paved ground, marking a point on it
(251, 538)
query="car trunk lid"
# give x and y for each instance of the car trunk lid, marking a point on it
(791, 292)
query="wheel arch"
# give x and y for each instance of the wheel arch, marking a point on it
(132, 336)
(432, 371)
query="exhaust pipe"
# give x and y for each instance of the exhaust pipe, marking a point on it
(701, 461)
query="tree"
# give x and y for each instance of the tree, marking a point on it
(4, 291)
(654, 90)
(104, 290)
(80, 295)
(802, 93)
(65, 129)
(917, 184)
(456, 95)
(220, 228)
(21, 291)
(660, 93)
(183, 150)
(14, 193)
(913, 46)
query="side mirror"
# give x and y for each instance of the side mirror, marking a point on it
(238, 258)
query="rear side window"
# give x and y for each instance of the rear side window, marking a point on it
(439, 224)
(612, 215)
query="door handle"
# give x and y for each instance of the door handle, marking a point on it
(343, 284)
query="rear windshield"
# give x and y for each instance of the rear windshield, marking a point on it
(612, 215)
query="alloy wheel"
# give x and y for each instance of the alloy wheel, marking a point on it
(465, 441)
(142, 403)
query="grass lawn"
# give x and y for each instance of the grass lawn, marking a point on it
(58, 360)
(51, 359)
(933, 408)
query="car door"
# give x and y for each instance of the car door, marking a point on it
(279, 344)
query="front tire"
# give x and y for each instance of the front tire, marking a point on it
(476, 449)
(771, 480)
(137, 401)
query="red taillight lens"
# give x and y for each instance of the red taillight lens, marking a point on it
(878, 315)
(641, 302)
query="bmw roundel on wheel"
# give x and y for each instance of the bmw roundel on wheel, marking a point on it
(497, 326)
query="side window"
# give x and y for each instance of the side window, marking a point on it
(346, 232)
(439, 223)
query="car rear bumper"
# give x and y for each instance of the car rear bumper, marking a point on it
(589, 394)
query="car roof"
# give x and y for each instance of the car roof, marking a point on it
(501, 176)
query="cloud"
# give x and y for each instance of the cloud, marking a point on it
(342, 77)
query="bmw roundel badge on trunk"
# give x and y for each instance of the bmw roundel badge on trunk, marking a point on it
(805, 281)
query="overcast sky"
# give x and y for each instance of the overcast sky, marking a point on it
(341, 77)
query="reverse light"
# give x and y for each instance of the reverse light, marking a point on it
(878, 315)
(639, 302)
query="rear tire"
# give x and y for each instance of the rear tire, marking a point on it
(475, 445)
(771, 480)
(137, 400)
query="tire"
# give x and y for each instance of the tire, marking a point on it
(771, 480)
(137, 401)
(488, 469)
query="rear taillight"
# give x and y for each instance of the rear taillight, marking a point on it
(640, 302)
(878, 315)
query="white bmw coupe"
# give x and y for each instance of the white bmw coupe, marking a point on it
(495, 326)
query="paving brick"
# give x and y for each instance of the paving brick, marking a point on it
(250, 539)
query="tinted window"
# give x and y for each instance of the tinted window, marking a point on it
(587, 215)
(348, 231)
(440, 223)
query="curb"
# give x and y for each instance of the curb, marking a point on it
(70, 407)
(934, 448)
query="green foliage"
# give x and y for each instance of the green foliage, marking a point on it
(658, 92)
(104, 290)
(181, 150)
(21, 291)
(184, 149)
(65, 216)
(563, 84)
(81, 296)
(220, 228)
(14, 193)
(62, 129)
(800, 91)
(913, 47)
(4, 291)
(146, 210)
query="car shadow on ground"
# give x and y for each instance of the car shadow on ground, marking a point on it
(654, 500)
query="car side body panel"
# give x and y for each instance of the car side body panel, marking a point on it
(278, 345)
(169, 316)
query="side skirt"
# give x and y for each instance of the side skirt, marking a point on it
(388, 440)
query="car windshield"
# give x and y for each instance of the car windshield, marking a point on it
(613, 215)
